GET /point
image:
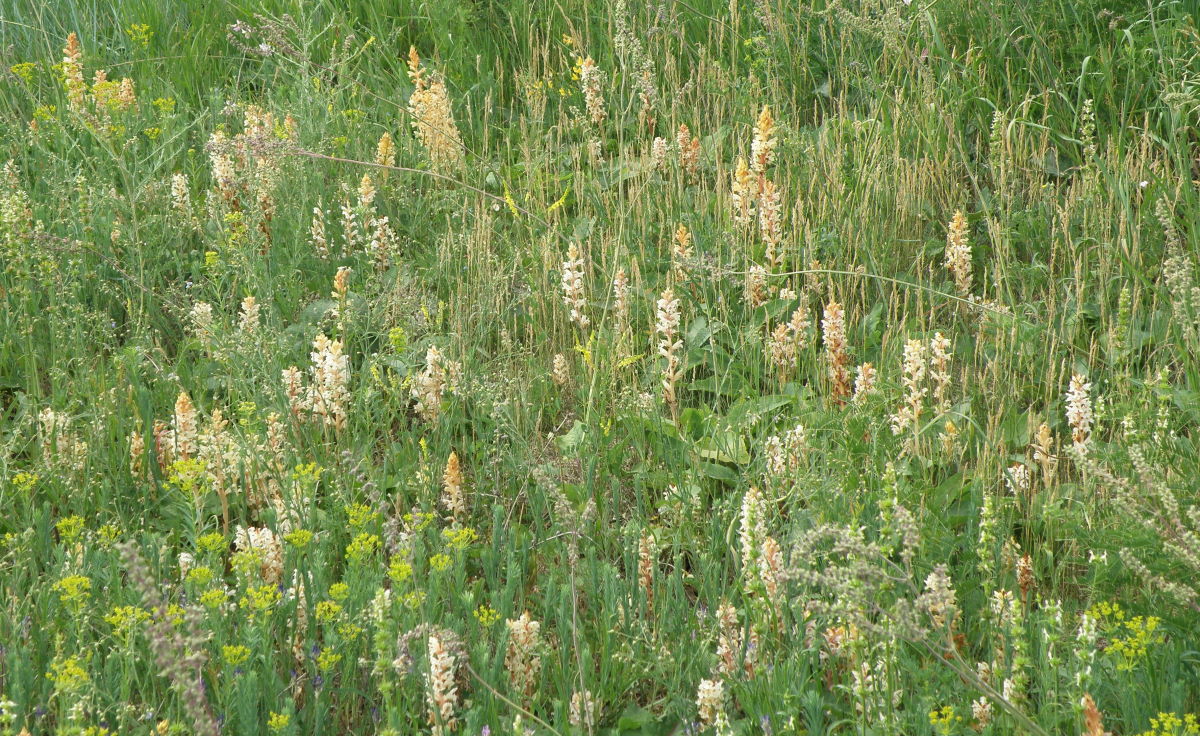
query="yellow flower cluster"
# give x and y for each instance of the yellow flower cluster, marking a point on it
(74, 591)
(70, 528)
(140, 33)
(200, 576)
(235, 655)
(24, 70)
(261, 598)
(1130, 638)
(1169, 724)
(362, 547)
(212, 543)
(1141, 632)
(486, 616)
(399, 570)
(307, 474)
(108, 535)
(188, 477)
(944, 719)
(24, 482)
(247, 561)
(298, 538)
(360, 515)
(67, 674)
(123, 619)
(419, 520)
(1105, 612)
(328, 611)
(460, 538)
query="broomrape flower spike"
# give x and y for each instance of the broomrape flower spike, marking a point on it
(769, 216)
(560, 370)
(710, 703)
(762, 147)
(316, 233)
(222, 167)
(743, 194)
(264, 548)
(620, 287)
(729, 643)
(864, 381)
(441, 689)
(432, 119)
(572, 286)
(914, 368)
(1079, 412)
(681, 252)
(833, 326)
(689, 151)
(753, 531)
(647, 560)
(72, 68)
(582, 712)
(329, 391)
(185, 427)
(452, 488)
(181, 198)
(352, 237)
(385, 153)
(659, 150)
(771, 573)
(431, 385)
(800, 326)
(1043, 452)
(754, 291)
(669, 345)
(782, 349)
(1093, 724)
(939, 371)
(591, 82)
(249, 318)
(958, 252)
(784, 455)
(523, 659)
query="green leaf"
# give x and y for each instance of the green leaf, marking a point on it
(750, 411)
(634, 719)
(570, 442)
(727, 447)
(716, 471)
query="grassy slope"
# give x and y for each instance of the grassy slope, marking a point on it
(890, 120)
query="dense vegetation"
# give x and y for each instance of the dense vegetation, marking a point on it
(599, 367)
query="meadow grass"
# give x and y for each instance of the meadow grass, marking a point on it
(599, 367)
